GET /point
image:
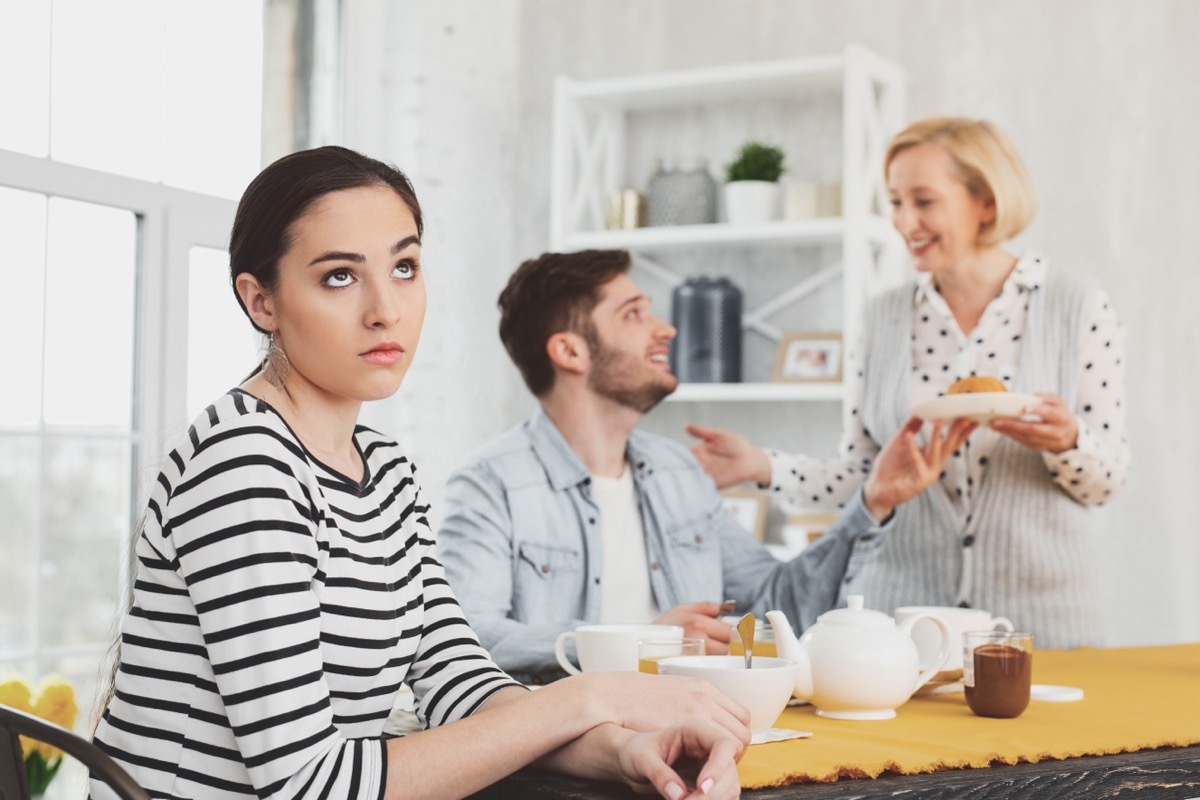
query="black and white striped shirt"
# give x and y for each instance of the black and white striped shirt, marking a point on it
(277, 608)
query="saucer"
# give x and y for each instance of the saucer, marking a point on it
(938, 687)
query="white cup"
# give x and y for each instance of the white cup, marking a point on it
(764, 689)
(960, 620)
(609, 648)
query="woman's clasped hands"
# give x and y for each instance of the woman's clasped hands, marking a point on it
(679, 735)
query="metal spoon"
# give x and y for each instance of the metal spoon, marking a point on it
(745, 629)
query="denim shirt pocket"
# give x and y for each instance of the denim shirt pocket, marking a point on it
(694, 559)
(548, 580)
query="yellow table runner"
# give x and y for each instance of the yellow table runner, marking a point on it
(1134, 699)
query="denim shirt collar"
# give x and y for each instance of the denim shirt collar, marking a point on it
(563, 467)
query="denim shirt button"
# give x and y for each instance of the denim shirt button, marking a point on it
(699, 538)
(654, 565)
(545, 568)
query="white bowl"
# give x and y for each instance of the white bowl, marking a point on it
(764, 689)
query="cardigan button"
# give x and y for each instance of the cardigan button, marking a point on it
(968, 540)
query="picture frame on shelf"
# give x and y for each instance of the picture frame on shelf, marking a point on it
(809, 356)
(749, 508)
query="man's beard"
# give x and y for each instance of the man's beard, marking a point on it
(611, 377)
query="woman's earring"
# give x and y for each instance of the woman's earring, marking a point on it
(276, 367)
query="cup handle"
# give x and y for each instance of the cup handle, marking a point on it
(560, 653)
(1003, 624)
(943, 654)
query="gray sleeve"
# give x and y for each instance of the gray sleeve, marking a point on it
(476, 546)
(810, 583)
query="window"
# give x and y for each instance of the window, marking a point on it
(134, 124)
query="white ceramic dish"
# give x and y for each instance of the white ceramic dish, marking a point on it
(763, 689)
(982, 407)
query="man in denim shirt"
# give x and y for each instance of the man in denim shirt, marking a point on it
(575, 517)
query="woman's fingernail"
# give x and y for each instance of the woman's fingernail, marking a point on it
(706, 785)
(674, 791)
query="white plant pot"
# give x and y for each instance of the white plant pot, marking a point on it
(750, 202)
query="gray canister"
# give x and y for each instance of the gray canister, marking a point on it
(683, 194)
(707, 314)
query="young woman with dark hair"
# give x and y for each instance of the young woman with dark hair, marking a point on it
(286, 583)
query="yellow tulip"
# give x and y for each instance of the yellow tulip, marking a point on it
(15, 693)
(56, 703)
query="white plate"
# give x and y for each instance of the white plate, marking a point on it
(979, 406)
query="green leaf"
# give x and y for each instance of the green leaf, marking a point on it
(756, 161)
(39, 772)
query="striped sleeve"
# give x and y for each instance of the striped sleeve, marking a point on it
(451, 674)
(243, 523)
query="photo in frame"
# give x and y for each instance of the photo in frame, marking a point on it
(809, 357)
(749, 507)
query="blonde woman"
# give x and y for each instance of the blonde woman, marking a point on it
(1007, 526)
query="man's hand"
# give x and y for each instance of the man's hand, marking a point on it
(729, 458)
(902, 470)
(700, 620)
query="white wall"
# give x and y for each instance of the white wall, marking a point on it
(1101, 96)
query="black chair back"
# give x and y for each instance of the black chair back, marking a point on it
(14, 724)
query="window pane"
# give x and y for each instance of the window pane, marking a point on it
(92, 256)
(23, 232)
(18, 498)
(25, 52)
(86, 518)
(107, 86)
(223, 347)
(213, 106)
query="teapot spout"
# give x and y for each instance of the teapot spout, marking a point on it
(789, 647)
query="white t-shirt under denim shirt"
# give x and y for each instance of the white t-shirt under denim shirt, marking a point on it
(626, 595)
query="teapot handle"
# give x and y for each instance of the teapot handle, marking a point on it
(943, 653)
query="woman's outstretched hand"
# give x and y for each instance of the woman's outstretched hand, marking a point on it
(902, 470)
(692, 759)
(729, 458)
(1056, 431)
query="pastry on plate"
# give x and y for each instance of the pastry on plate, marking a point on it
(975, 384)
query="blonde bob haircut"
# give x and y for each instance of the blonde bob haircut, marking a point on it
(988, 165)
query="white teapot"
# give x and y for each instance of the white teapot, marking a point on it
(854, 663)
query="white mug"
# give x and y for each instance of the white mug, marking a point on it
(959, 620)
(609, 648)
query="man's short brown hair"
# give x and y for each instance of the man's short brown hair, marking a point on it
(550, 294)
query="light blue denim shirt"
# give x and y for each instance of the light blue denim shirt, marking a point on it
(521, 544)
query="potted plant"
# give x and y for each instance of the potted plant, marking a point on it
(752, 183)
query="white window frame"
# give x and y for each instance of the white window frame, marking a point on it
(170, 222)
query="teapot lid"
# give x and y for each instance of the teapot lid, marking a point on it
(854, 614)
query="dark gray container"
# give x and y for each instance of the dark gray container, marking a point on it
(707, 314)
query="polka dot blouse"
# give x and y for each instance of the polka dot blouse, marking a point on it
(1091, 472)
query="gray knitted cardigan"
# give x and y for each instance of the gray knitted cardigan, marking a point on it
(1025, 550)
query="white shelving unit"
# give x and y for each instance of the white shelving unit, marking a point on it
(592, 142)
